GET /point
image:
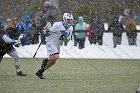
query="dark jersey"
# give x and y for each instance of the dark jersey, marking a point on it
(2, 43)
(11, 33)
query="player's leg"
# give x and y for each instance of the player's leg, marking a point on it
(53, 54)
(16, 58)
(1, 59)
(1, 55)
(51, 61)
(46, 64)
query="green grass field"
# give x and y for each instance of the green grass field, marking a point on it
(72, 76)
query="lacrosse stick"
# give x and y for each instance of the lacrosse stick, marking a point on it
(48, 25)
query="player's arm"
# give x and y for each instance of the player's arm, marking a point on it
(8, 40)
(69, 31)
(47, 27)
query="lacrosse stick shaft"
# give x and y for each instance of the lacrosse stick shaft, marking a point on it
(37, 49)
(48, 25)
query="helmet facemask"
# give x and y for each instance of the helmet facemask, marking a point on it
(68, 19)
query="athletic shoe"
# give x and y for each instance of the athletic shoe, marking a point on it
(20, 73)
(39, 74)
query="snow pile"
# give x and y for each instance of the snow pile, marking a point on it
(106, 51)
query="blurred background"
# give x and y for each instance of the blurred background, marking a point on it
(106, 9)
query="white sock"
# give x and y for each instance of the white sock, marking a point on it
(17, 70)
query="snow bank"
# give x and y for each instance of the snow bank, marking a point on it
(106, 51)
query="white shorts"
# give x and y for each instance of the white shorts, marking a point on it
(52, 48)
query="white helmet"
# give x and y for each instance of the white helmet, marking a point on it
(66, 17)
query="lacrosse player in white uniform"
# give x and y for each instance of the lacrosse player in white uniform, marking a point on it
(59, 31)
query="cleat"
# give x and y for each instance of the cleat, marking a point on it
(20, 73)
(39, 74)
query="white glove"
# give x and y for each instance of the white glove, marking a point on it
(48, 26)
(16, 43)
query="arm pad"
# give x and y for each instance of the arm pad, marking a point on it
(7, 39)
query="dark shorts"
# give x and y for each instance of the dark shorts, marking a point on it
(7, 50)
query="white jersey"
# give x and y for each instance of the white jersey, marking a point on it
(53, 41)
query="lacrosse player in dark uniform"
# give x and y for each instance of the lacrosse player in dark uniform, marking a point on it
(8, 39)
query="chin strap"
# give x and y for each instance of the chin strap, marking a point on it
(65, 25)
